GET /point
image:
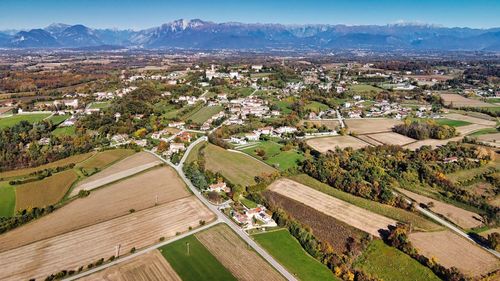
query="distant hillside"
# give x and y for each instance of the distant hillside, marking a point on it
(198, 34)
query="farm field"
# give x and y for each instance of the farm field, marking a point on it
(149, 266)
(451, 123)
(99, 105)
(64, 131)
(452, 250)
(390, 264)
(468, 129)
(63, 162)
(397, 214)
(470, 173)
(58, 119)
(371, 126)
(330, 143)
(7, 199)
(343, 211)
(13, 120)
(200, 264)
(315, 106)
(137, 193)
(324, 227)
(102, 159)
(282, 160)
(235, 255)
(463, 218)
(193, 155)
(391, 138)
(238, 168)
(205, 113)
(330, 124)
(44, 192)
(491, 139)
(137, 230)
(288, 251)
(364, 88)
(368, 139)
(129, 166)
(430, 142)
(456, 100)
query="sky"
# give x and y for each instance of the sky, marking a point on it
(124, 14)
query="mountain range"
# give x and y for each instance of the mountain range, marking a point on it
(203, 35)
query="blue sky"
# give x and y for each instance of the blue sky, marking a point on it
(25, 14)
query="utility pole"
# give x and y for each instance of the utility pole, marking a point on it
(156, 200)
(187, 246)
(117, 250)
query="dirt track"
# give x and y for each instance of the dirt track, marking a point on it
(137, 193)
(329, 205)
(452, 250)
(235, 255)
(150, 266)
(458, 216)
(129, 166)
(87, 245)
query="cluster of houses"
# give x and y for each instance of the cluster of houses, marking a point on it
(251, 218)
(266, 131)
(101, 96)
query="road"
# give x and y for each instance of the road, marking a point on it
(143, 251)
(339, 116)
(447, 224)
(221, 216)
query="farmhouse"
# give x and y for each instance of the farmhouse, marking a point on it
(176, 147)
(219, 187)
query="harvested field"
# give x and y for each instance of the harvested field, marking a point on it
(238, 168)
(369, 140)
(470, 119)
(138, 193)
(456, 100)
(330, 143)
(452, 250)
(463, 218)
(371, 126)
(325, 227)
(465, 130)
(44, 192)
(392, 138)
(234, 254)
(87, 245)
(149, 266)
(430, 142)
(491, 139)
(343, 211)
(129, 166)
(330, 124)
(63, 162)
(102, 159)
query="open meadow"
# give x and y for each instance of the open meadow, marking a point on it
(470, 119)
(324, 144)
(131, 165)
(288, 251)
(463, 218)
(237, 167)
(274, 156)
(202, 115)
(7, 199)
(452, 250)
(370, 125)
(198, 264)
(47, 191)
(330, 124)
(148, 266)
(15, 119)
(135, 193)
(329, 205)
(244, 263)
(103, 159)
(390, 264)
(83, 246)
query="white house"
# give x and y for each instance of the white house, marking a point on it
(219, 187)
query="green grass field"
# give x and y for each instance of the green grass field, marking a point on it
(493, 100)
(283, 160)
(287, 251)
(64, 131)
(451, 123)
(363, 88)
(245, 92)
(58, 119)
(248, 203)
(205, 113)
(238, 168)
(391, 212)
(390, 264)
(315, 106)
(484, 132)
(99, 105)
(200, 264)
(104, 158)
(7, 199)
(13, 120)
